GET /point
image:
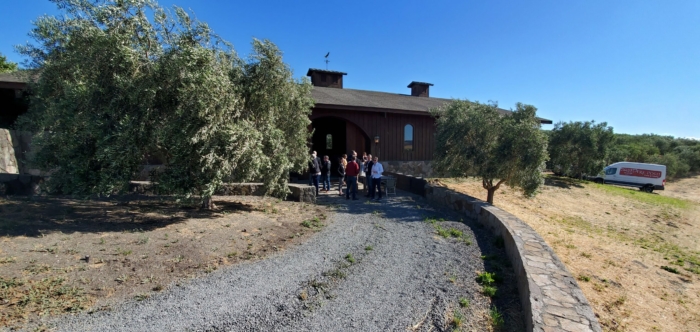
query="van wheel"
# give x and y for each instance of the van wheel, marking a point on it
(647, 189)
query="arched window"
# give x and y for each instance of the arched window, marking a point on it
(408, 137)
(329, 142)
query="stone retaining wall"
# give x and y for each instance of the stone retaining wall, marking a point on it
(550, 296)
(417, 168)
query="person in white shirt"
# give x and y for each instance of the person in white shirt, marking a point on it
(377, 170)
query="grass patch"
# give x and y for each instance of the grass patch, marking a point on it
(336, 273)
(457, 320)
(143, 239)
(455, 232)
(442, 232)
(486, 278)
(46, 296)
(496, 317)
(369, 248)
(452, 233)
(141, 297)
(489, 291)
(6, 260)
(463, 302)
(349, 258)
(314, 223)
(432, 220)
(641, 196)
(584, 278)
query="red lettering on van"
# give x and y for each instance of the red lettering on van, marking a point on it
(642, 173)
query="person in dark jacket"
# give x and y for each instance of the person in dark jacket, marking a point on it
(368, 170)
(315, 170)
(326, 174)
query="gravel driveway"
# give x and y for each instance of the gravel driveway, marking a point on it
(401, 276)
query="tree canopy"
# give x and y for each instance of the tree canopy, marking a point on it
(579, 148)
(6, 66)
(119, 84)
(680, 155)
(475, 140)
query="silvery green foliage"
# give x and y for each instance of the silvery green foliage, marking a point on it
(579, 148)
(118, 85)
(474, 139)
(6, 66)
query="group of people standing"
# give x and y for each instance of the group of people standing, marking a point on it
(351, 169)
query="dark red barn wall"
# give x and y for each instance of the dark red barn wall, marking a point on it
(390, 129)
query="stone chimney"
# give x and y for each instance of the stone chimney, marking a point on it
(420, 89)
(326, 78)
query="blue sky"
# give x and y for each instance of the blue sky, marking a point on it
(633, 64)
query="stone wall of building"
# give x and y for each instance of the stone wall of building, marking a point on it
(8, 159)
(550, 297)
(415, 168)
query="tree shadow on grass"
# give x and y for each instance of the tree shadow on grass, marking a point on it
(562, 182)
(33, 217)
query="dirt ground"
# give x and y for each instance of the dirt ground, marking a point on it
(62, 255)
(636, 255)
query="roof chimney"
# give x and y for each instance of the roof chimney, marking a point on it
(420, 89)
(326, 78)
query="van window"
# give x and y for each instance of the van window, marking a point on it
(610, 171)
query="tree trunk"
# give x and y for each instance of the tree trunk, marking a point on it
(491, 191)
(208, 203)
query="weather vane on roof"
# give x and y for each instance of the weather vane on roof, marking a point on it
(327, 61)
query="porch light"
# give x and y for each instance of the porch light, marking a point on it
(376, 139)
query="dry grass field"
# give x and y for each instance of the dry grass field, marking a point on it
(636, 255)
(135, 248)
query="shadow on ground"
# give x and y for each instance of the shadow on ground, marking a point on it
(25, 216)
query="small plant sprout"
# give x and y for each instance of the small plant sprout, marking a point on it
(463, 302)
(489, 291)
(457, 319)
(349, 258)
(486, 278)
(369, 248)
(496, 317)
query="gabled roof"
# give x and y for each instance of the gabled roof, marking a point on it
(363, 100)
(14, 77)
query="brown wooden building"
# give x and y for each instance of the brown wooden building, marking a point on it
(396, 127)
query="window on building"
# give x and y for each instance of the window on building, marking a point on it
(329, 142)
(408, 137)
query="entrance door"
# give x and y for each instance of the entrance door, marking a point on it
(329, 139)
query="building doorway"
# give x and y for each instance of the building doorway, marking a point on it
(334, 137)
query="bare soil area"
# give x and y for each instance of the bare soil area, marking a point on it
(62, 255)
(636, 255)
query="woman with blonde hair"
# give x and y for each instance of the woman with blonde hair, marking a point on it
(341, 170)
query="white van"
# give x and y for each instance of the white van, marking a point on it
(646, 177)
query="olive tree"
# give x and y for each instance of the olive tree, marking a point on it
(579, 148)
(6, 66)
(476, 140)
(118, 84)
